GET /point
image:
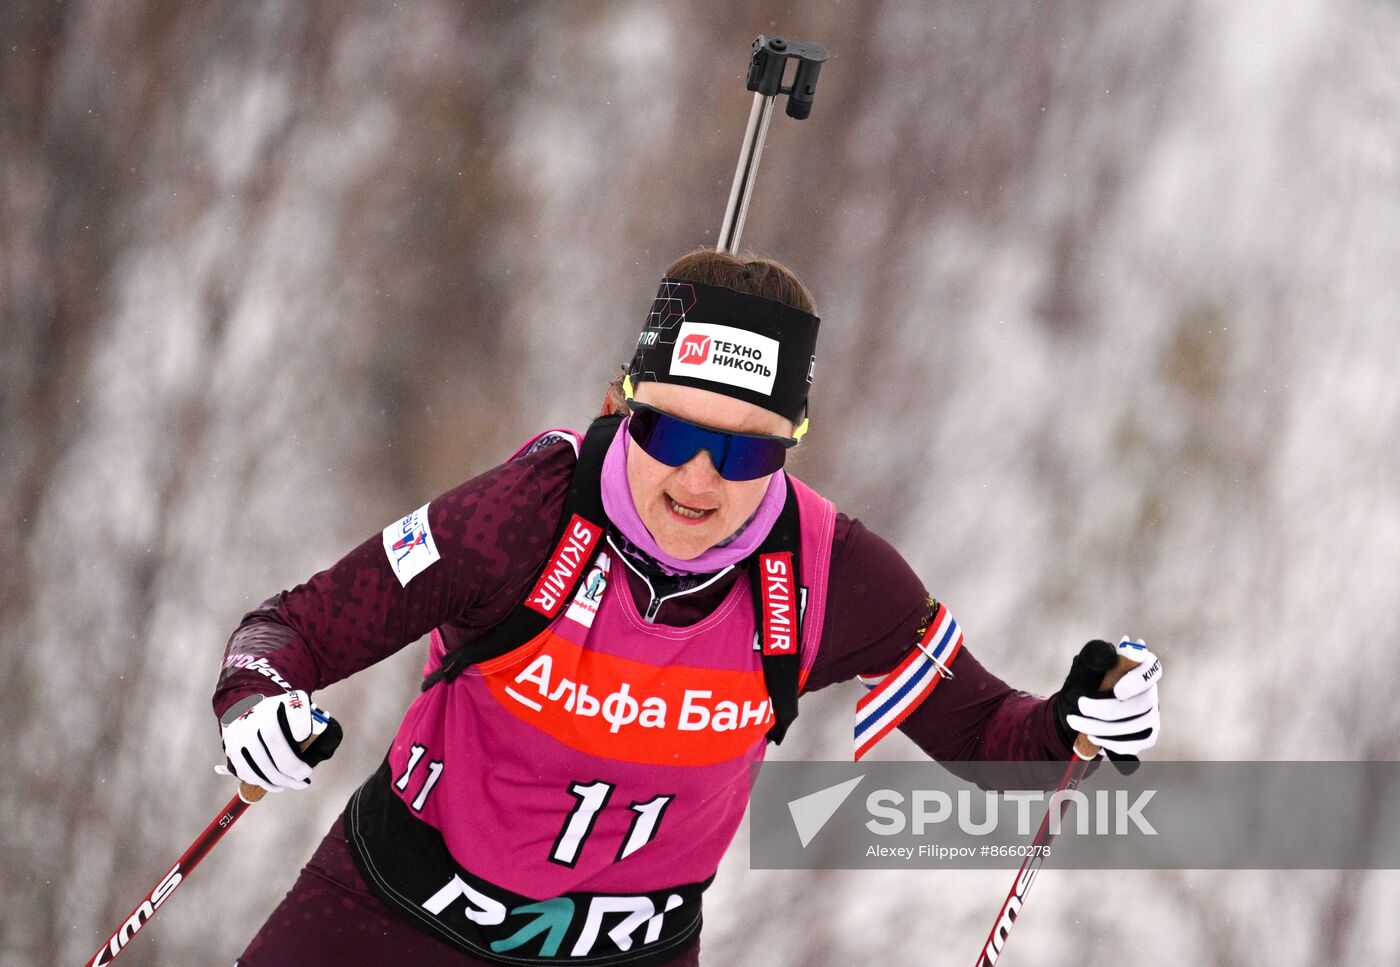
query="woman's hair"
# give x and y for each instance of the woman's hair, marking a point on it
(766, 278)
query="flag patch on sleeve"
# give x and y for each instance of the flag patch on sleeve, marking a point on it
(410, 546)
(892, 697)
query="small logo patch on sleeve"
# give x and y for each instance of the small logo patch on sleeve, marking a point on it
(410, 546)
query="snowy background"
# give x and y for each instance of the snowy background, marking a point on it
(1110, 339)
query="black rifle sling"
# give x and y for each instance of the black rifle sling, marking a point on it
(780, 672)
(523, 624)
(585, 498)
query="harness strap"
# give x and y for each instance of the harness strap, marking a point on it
(775, 578)
(576, 545)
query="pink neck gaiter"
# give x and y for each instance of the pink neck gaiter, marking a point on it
(617, 501)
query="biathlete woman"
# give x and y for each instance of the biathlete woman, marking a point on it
(620, 623)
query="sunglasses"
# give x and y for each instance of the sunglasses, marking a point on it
(673, 441)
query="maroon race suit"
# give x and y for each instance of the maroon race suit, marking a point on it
(492, 533)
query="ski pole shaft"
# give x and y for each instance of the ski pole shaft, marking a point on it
(1085, 754)
(234, 808)
(118, 941)
(1016, 896)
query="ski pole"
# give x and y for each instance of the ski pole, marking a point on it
(1085, 754)
(766, 68)
(247, 795)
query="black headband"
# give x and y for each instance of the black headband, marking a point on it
(757, 350)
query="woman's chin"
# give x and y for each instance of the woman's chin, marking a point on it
(684, 543)
(683, 550)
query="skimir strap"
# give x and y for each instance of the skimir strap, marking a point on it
(774, 571)
(774, 575)
(576, 544)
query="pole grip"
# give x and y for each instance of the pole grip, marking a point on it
(330, 737)
(1082, 745)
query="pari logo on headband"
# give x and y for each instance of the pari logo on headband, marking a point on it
(723, 354)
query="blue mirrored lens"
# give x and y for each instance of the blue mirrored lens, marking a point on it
(674, 441)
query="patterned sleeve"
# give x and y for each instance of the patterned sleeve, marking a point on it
(883, 629)
(465, 556)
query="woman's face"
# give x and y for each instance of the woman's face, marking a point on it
(691, 508)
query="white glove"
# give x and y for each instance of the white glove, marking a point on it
(1127, 720)
(263, 736)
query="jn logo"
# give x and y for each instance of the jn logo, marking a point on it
(694, 349)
